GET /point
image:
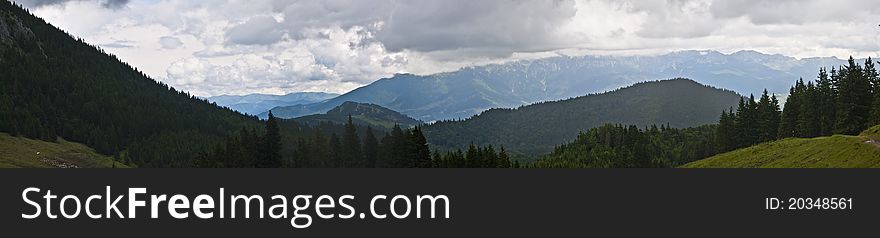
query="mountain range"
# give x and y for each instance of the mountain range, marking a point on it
(255, 104)
(471, 90)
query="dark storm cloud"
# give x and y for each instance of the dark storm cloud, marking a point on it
(500, 25)
(495, 26)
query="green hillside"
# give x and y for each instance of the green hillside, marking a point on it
(536, 129)
(19, 152)
(54, 85)
(836, 151)
(362, 114)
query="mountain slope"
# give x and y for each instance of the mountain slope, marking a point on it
(18, 152)
(535, 129)
(255, 104)
(836, 151)
(53, 85)
(361, 114)
(471, 90)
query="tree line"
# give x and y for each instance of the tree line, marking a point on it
(475, 157)
(845, 101)
(620, 146)
(324, 148)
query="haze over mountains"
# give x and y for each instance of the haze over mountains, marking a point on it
(469, 91)
(254, 104)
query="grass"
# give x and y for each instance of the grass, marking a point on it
(872, 133)
(823, 152)
(18, 152)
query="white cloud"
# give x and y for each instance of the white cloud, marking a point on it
(278, 46)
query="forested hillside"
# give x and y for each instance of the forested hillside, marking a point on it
(362, 114)
(54, 85)
(536, 129)
(618, 146)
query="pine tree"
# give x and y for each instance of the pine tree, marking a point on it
(503, 159)
(808, 120)
(853, 99)
(747, 122)
(271, 154)
(826, 107)
(371, 148)
(421, 154)
(472, 157)
(788, 125)
(727, 131)
(335, 151)
(768, 117)
(351, 147)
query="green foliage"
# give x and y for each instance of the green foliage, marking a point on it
(270, 155)
(854, 98)
(617, 146)
(752, 123)
(841, 103)
(476, 157)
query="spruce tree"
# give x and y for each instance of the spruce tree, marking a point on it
(825, 106)
(371, 148)
(768, 117)
(351, 147)
(335, 151)
(271, 156)
(808, 120)
(472, 157)
(788, 125)
(503, 159)
(853, 100)
(747, 122)
(420, 154)
(727, 131)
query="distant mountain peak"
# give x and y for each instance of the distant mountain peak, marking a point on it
(363, 114)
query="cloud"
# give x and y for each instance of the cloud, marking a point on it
(768, 12)
(259, 30)
(673, 18)
(340, 61)
(114, 4)
(281, 46)
(119, 44)
(496, 27)
(491, 26)
(170, 42)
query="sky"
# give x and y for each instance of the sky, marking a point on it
(236, 47)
